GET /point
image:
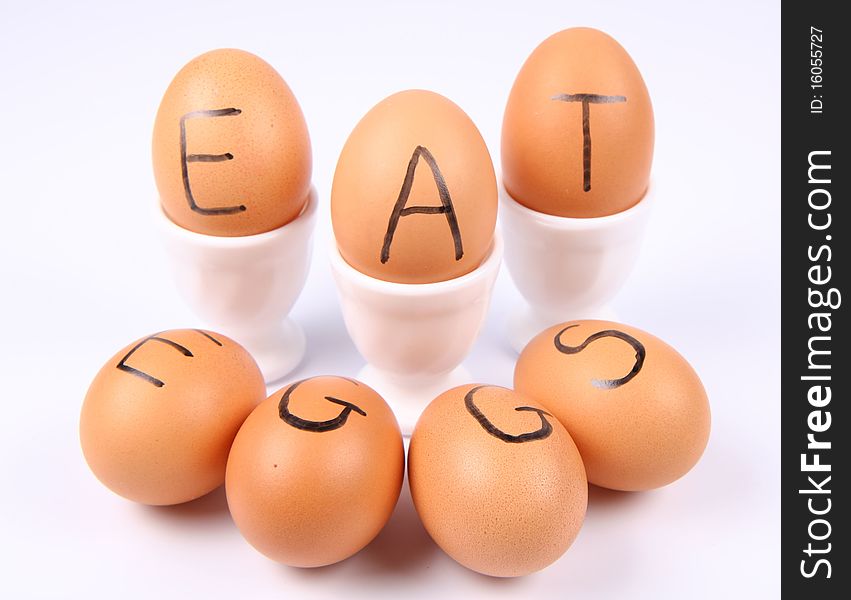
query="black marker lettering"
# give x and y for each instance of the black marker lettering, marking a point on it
(209, 337)
(543, 432)
(586, 100)
(185, 159)
(640, 354)
(400, 210)
(123, 366)
(317, 426)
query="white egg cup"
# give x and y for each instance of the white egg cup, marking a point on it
(414, 337)
(244, 287)
(567, 268)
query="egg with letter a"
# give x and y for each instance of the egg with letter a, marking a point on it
(231, 150)
(635, 407)
(578, 132)
(414, 197)
(315, 471)
(497, 480)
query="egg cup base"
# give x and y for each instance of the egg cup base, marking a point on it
(567, 268)
(408, 397)
(414, 336)
(244, 287)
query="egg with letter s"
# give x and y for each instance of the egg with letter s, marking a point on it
(231, 150)
(414, 197)
(635, 407)
(578, 132)
(497, 480)
(315, 471)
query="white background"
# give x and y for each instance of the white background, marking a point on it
(83, 274)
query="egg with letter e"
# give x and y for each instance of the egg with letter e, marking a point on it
(315, 471)
(159, 418)
(577, 135)
(634, 406)
(496, 480)
(231, 150)
(414, 197)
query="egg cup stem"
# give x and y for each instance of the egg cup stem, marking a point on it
(408, 396)
(277, 349)
(567, 268)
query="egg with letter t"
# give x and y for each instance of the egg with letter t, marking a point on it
(578, 132)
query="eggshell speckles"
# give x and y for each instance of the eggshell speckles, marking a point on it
(315, 471)
(231, 149)
(414, 197)
(501, 490)
(636, 409)
(577, 136)
(159, 418)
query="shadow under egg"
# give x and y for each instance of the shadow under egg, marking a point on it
(209, 508)
(403, 544)
(605, 499)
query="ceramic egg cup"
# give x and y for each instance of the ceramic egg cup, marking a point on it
(567, 268)
(414, 337)
(245, 286)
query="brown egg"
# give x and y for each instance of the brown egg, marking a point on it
(315, 471)
(577, 137)
(496, 480)
(231, 149)
(159, 418)
(414, 195)
(636, 409)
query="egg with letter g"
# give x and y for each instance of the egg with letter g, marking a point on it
(635, 407)
(496, 479)
(414, 197)
(577, 135)
(231, 150)
(315, 471)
